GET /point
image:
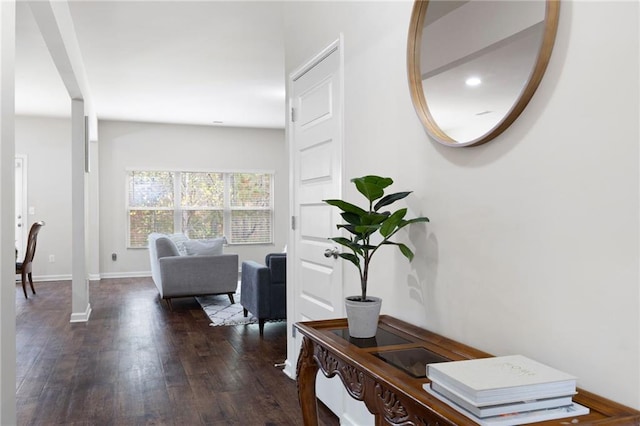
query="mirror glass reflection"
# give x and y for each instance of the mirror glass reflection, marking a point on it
(476, 60)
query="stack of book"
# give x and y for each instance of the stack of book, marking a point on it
(507, 390)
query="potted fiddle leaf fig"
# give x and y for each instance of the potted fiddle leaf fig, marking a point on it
(370, 228)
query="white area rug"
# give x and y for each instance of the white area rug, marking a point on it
(221, 312)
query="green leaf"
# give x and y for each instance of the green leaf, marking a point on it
(389, 199)
(417, 219)
(372, 187)
(410, 221)
(382, 182)
(351, 258)
(406, 251)
(346, 207)
(373, 218)
(390, 225)
(340, 240)
(367, 229)
(350, 228)
(348, 243)
(352, 218)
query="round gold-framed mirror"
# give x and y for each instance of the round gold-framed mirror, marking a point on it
(473, 65)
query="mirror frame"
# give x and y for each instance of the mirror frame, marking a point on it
(552, 13)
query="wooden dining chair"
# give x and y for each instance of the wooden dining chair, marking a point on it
(24, 268)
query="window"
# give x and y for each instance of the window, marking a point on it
(250, 207)
(200, 204)
(151, 201)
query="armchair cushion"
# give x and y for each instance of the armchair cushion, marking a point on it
(166, 248)
(206, 247)
(179, 239)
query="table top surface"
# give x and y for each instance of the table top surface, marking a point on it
(398, 355)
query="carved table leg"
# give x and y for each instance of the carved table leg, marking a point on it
(306, 371)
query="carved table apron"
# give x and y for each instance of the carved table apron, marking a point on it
(387, 373)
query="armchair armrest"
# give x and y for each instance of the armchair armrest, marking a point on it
(255, 288)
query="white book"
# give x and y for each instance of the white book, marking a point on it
(501, 380)
(515, 419)
(498, 409)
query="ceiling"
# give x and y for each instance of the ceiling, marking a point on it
(201, 62)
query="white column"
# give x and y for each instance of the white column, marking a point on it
(56, 26)
(93, 202)
(80, 307)
(7, 212)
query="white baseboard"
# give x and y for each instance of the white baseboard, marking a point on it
(92, 277)
(135, 274)
(81, 316)
(289, 370)
(64, 277)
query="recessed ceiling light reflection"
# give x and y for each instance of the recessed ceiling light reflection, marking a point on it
(473, 81)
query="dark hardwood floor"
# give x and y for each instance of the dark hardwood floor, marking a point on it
(137, 363)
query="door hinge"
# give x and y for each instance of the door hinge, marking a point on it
(293, 330)
(293, 223)
(293, 115)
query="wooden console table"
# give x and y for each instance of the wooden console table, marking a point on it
(387, 373)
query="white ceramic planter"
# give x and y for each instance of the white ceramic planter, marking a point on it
(362, 317)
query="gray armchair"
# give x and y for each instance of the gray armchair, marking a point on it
(177, 275)
(264, 288)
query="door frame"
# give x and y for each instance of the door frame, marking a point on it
(292, 308)
(25, 212)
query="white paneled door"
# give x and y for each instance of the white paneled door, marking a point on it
(316, 160)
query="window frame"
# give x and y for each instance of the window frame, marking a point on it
(226, 209)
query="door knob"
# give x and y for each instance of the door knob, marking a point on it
(332, 252)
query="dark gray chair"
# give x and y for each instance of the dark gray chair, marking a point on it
(263, 289)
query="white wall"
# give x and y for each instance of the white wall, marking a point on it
(7, 220)
(47, 144)
(533, 242)
(126, 145)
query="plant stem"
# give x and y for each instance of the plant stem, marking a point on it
(365, 273)
(364, 277)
